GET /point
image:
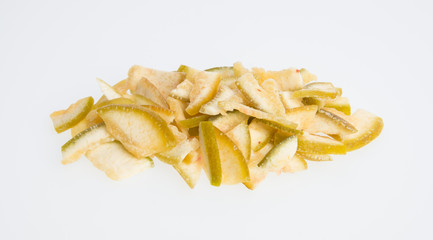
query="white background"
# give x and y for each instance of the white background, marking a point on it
(379, 52)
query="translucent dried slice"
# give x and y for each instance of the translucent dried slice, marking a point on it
(289, 101)
(178, 107)
(93, 118)
(229, 121)
(239, 69)
(369, 127)
(141, 131)
(303, 116)
(240, 135)
(339, 103)
(163, 81)
(331, 121)
(188, 71)
(193, 121)
(280, 136)
(226, 72)
(210, 153)
(117, 163)
(224, 93)
(260, 98)
(280, 154)
(121, 87)
(307, 76)
(260, 134)
(146, 89)
(83, 141)
(182, 90)
(273, 89)
(297, 163)
(308, 143)
(317, 89)
(179, 152)
(65, 119)
(233, 164)
(107, 90)
(257, 174)
(289, 79)
(204, 89)
(190, 168)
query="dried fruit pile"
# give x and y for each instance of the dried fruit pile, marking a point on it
(236, 124)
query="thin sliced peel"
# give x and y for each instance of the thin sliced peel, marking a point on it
(65, 119)
(84, 141)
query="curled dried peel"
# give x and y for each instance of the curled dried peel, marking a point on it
(84, 141)
(259, 97)
(65, 119)
(204, 89)
(163, 81)
(369, 127)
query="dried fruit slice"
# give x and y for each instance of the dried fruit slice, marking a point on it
(117, 163)
(65, 119)
(121, 87)
(280, 155)
(226, 72)
(257, 174)
(239, 69)
(273, 89)
(260, 98)
(193, 121)
(289, 79)
(229, 121)
(369, 127)
(141, 131)
(190, 168)
(93, 118)
(224, 93)
(163, 81)
(303, 116)
(182, 90)
(316, 157)
(83, 141)
(289, 101)
(280, 136)
(297, 163)
(210, 152)
(146, 89)
(107, 90)
(240, 135)
(188, 71)
(179, 152)
(317, 89)
(260, 134)
(314, 144)
(339, 103)
(331, 121)
(307, 76)
(204, 89)
(233, 165)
